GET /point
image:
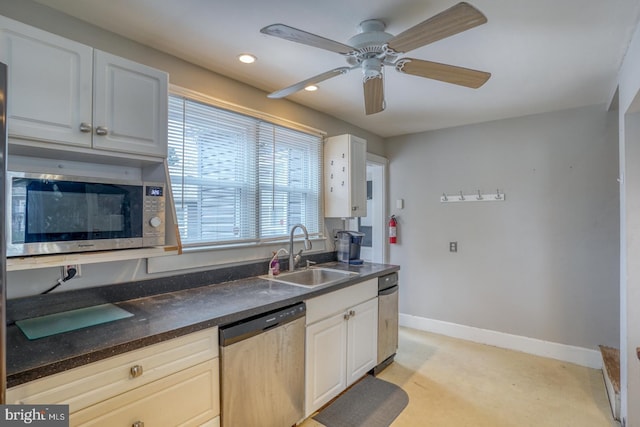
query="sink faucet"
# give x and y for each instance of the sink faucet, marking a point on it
(293, 260)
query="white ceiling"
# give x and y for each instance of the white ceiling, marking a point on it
(544, 55)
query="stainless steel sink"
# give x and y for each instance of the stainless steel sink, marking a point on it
(312, 277)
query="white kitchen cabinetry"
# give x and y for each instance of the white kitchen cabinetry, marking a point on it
(345, 177)
(341, 341)
(67, 93)
(175, 382)
(129, 106)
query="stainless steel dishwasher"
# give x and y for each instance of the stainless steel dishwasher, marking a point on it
(262, 369)
(387, 320)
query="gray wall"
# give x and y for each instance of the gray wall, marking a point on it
(544, 263)
(24, 283)
(629, 115)
(181, 73)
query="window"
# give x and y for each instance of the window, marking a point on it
(240, 179)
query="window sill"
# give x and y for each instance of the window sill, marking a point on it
(206, 257)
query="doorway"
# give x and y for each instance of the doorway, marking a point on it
(374, 248)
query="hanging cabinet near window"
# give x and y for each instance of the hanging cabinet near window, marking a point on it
(345, 177)
(64, 92)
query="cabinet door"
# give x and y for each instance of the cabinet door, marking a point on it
(336, 177)
(130, 106)
(325, 361)
(89, 384)
(345, 176)
(49, 85)
(362, 350)
(358, 178)
(187, 398)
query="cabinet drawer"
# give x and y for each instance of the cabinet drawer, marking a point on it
(325, 305)
(187, 398)
(87, 385)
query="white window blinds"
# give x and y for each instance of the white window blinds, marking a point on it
(240, 179)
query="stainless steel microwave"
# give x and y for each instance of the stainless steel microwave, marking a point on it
(52, 214)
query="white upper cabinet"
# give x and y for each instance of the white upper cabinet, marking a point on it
(67, 93)
(345, 177)
(129, 106)
(50, 84)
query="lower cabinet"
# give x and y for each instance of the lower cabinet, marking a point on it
(175, 382)
(341, 347)
(185, 398)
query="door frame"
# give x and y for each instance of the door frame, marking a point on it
(379, 217)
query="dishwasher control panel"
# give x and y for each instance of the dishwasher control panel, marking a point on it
(255, 325)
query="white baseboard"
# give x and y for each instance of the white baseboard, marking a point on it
(568, 353)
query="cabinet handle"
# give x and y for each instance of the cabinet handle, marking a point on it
(352, 313)
(137, 424)
(136, 371)
(85, 127)
(101, 130)
(346, 316)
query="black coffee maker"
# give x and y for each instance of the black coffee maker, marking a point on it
(349, 243)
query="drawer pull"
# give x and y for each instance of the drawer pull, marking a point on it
(137, 424)
(135, 372)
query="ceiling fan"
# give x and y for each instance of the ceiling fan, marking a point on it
(372, 48)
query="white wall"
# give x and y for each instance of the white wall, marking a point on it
(544, 263)
(629, 119)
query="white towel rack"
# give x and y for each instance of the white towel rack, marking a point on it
(474, 197)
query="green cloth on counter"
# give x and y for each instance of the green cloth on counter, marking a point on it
(52, 324)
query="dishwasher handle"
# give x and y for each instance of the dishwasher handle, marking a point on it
(388, 291)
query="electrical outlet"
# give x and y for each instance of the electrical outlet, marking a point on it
(65, 270)
(453, 246)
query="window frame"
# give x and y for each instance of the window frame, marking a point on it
(259, 240)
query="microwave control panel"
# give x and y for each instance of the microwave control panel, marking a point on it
(153, 230)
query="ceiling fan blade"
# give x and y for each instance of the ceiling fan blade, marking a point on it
(310, 81)
(295, 35)
(443, 72)
(454, 20)
(373, 94)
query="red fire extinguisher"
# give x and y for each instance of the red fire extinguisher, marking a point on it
(393, 228)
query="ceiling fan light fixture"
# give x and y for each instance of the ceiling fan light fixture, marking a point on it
(247, 58)
(372, 67)
(373, 48)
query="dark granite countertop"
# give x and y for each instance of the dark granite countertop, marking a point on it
(160, 317)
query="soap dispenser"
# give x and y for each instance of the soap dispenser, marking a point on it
(274, 265)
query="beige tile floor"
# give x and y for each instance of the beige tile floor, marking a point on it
(452, 382)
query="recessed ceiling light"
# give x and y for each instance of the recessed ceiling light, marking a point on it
(311, 88)
(247, 58)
